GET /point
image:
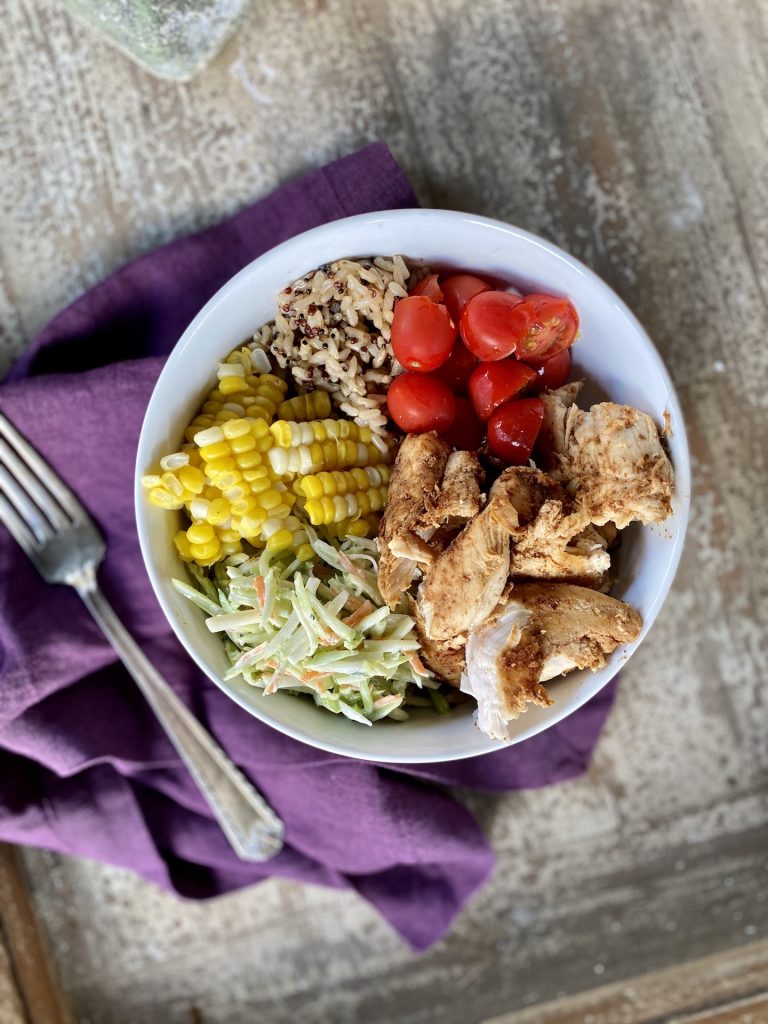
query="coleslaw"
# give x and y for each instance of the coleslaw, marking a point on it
(320, 628)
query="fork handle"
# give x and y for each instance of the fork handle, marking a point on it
(251, 826)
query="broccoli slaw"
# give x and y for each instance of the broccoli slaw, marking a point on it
(321, 629)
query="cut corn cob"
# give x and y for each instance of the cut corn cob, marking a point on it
(325, 510)
(337, 482)
(314, 405)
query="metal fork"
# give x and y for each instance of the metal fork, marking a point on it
(65, 545)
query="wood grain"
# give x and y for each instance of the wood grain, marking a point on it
(634, 135)
(730, 988)
(29, 991)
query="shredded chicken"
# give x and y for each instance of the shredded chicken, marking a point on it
(548, 541)
(443, 659)
(610, 459)
(466, 580)
(539, 631)
(459, 497)
(415, 481)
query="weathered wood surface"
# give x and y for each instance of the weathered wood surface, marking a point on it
(635, 135)
(29, 990)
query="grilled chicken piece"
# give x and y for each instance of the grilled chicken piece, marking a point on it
(414, 482)
(466, 580)
(459, 497)
(548, 542)
(610, 459)
(539, 631)
(444, 660)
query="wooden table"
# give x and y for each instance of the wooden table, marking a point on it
(634, 135)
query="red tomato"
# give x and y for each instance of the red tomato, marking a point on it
(466, 432)
(429, 287)
(553, 327)
(491, 384)
(513, 428)
(458, 289)
(553, 373)
(418, 402)
(422, 333)
(455, 372)
(494, 323)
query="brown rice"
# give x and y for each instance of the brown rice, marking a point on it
(332, 331)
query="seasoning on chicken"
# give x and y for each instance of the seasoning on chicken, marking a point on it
(459, 497)
(466, 581)
(445, 661)
(548, 540)
(539, 631)
(415, 481)
(610, 459)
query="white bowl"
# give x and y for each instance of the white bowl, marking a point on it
(614, 353)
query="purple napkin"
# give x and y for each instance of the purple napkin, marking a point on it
(84, 767)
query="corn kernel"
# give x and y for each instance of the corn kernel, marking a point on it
(225, 415)
(253, 476)
(269, 499)
(219, 511)
(236, 428)
(216, 466)
(228, 480)
(305, 552)
(358, 529)
(245, 443)
(244, 506)
(312, 486)
(150, 481)
(248, 460)
(200, 533)
(251, 526)
(172, 484)
(280, 540)
(228, 536)
(363, 503)
(210, 435)
(280, 512)
(164, 499)
(232, 385)
(192, 478)
(203, 552)
(263, 444)
(183, 546)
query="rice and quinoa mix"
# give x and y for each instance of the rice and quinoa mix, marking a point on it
(332, 329)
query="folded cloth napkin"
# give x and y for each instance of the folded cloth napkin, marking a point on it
(84, 767)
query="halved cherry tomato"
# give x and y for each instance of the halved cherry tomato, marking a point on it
(553, 373)
(456, 371)
(492, 384)
(553, 327)
(458, 289)
(430, 287)
(466, 432)
(494, 323)
(513, 428)
(422, 333)
(418, 402)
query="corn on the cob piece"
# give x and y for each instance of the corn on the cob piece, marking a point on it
(290, 434)
(325, 510)
(314, 405)
(316, 485)
(329, 455)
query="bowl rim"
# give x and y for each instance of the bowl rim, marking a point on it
(682, 474)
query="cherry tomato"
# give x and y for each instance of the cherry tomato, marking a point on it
(455, 372)
(494, 323)
(553, 373)
(418, 402)
(466, 432)
(553, 327)
(513, 428)
(429, 287)
(492, 384)
(458, 289)
(422, 333)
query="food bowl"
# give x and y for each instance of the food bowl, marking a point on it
(614, 354)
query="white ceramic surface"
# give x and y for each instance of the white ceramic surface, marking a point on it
(614, 353)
